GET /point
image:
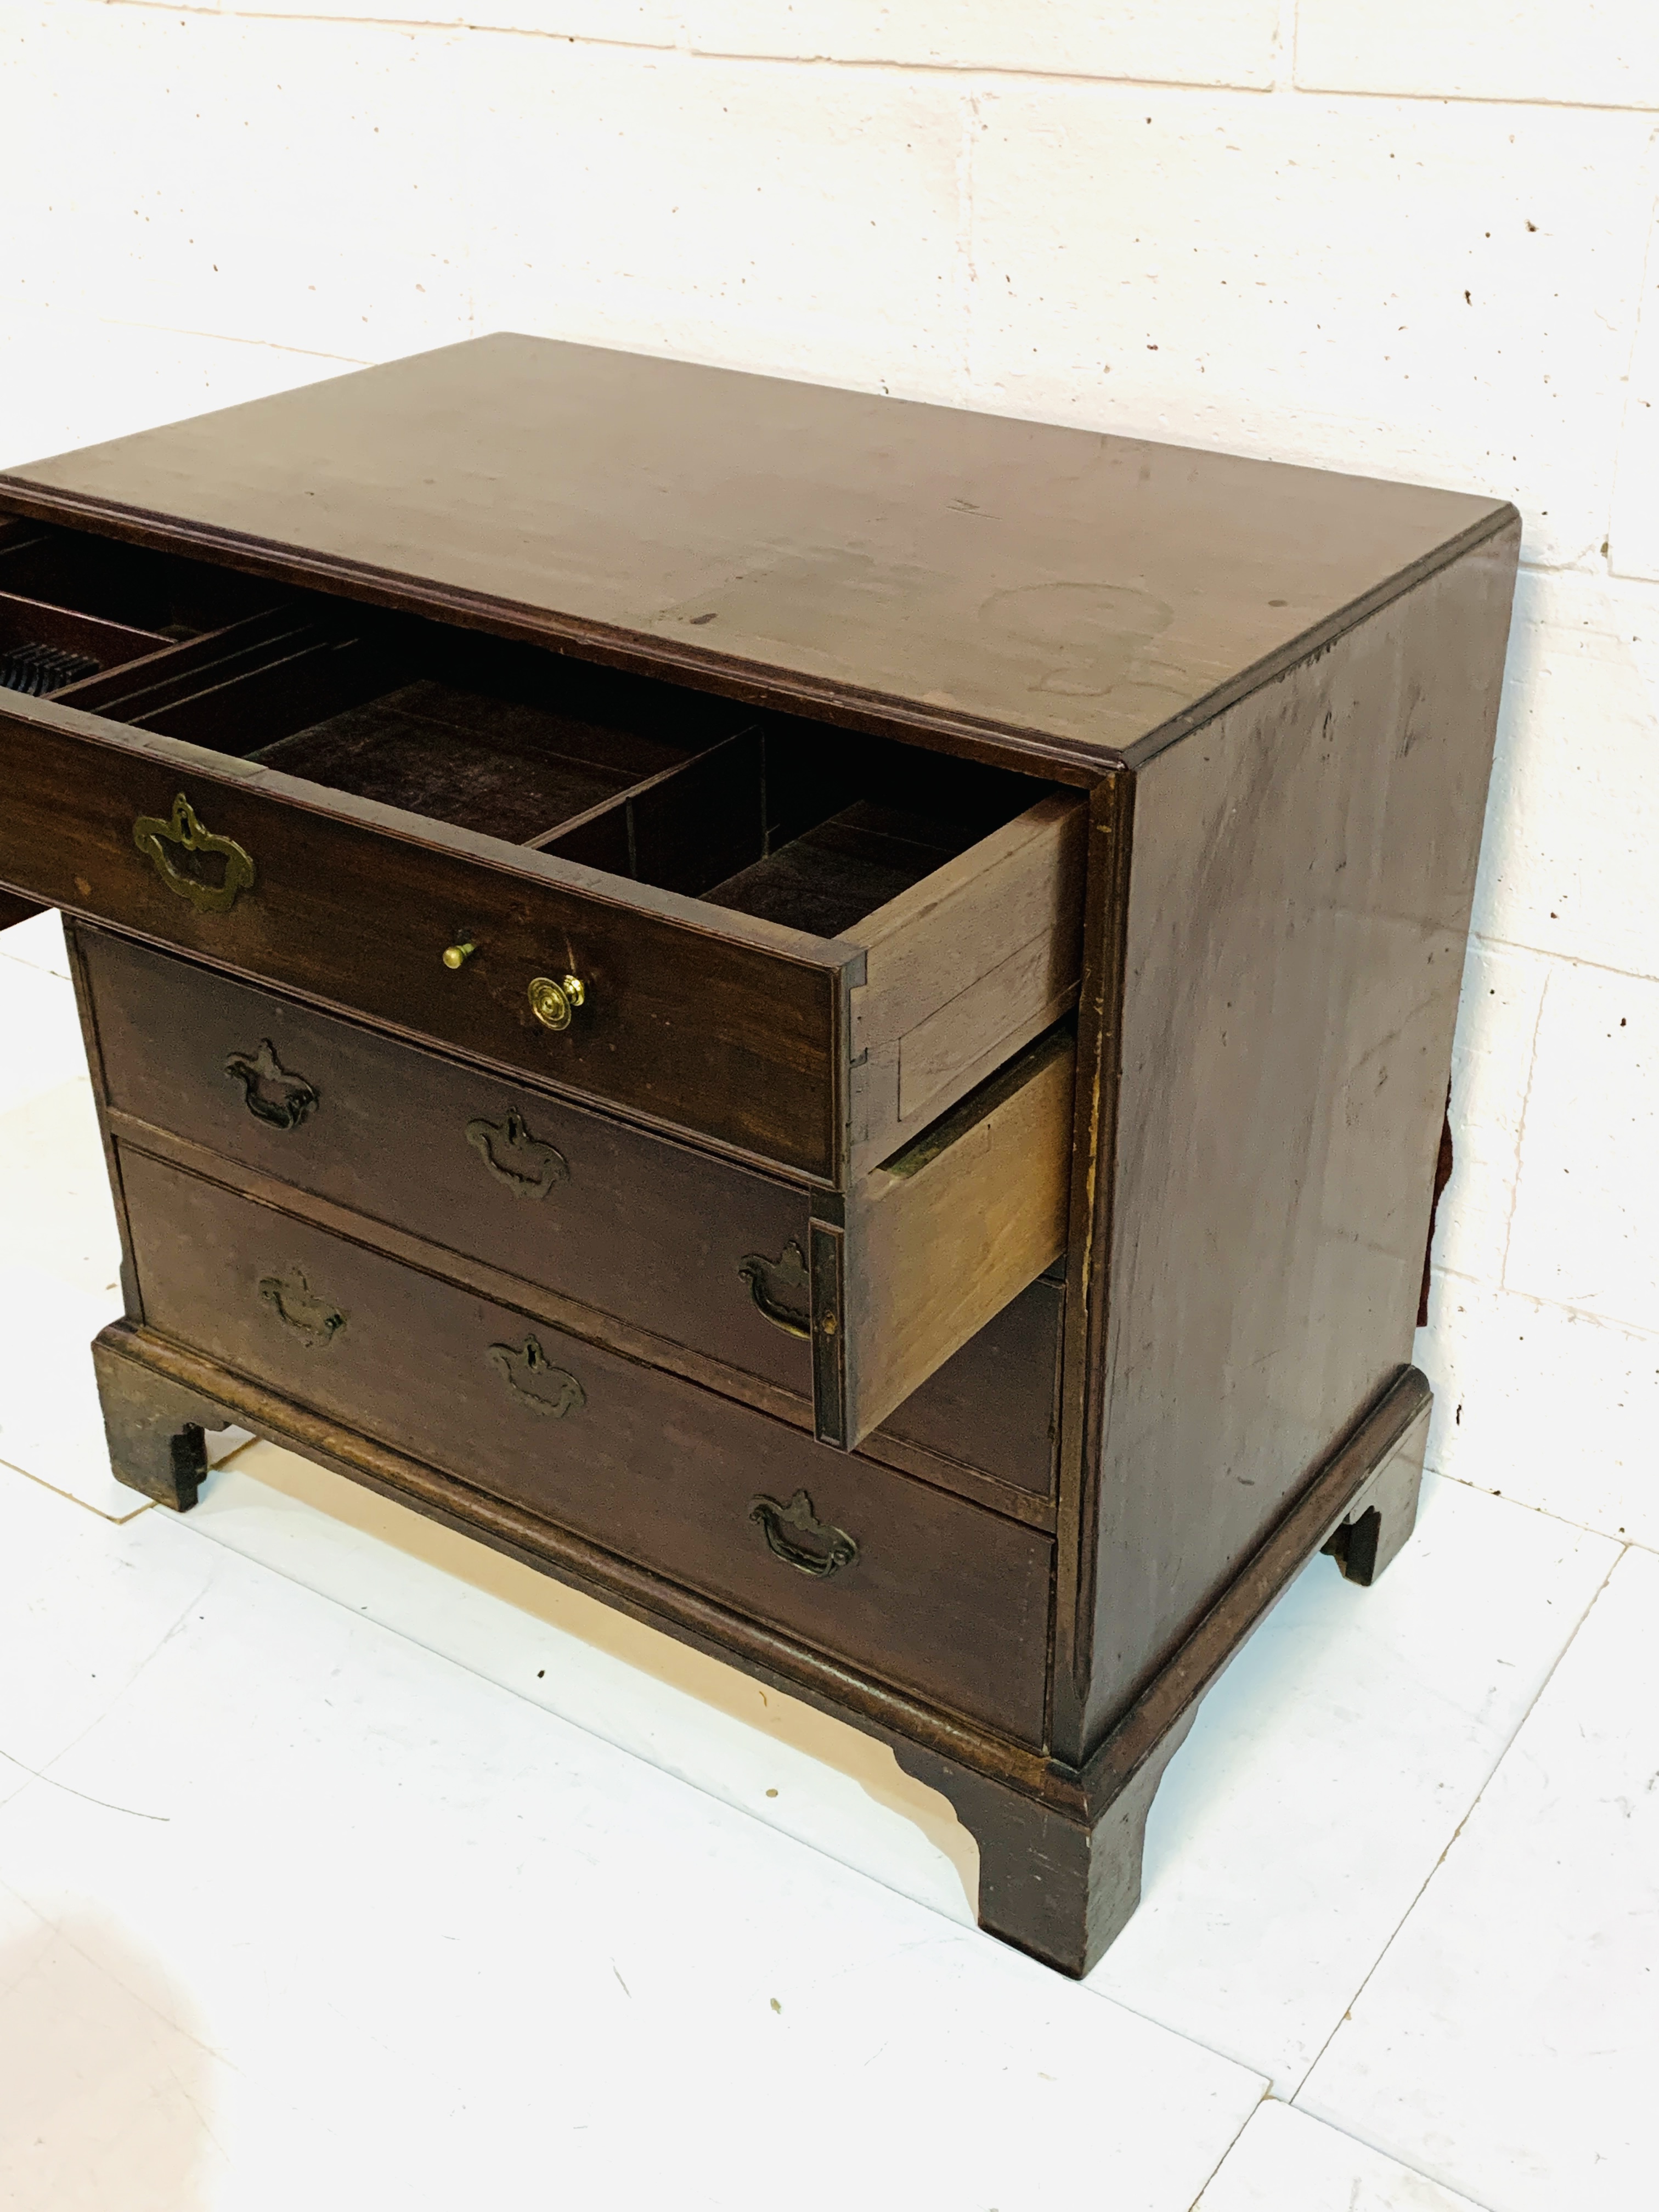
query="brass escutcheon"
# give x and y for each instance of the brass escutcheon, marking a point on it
(553, 1004)
(184, 832)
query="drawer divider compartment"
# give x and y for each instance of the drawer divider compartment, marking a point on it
(172, 670)
(804, 944)
(45, 648)
(748, 829)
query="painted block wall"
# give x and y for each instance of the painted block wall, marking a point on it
(1414, 240)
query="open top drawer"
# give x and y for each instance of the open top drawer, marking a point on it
(800, 944)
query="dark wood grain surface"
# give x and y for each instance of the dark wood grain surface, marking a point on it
(1300, 887)
(14, 909)
(993, 1405)
(650, 1232)
(844, 547)
(125, 585)
(953, 1470)
(942, 1597)
(777, 1658)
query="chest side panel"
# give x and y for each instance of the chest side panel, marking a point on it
(1303, 873)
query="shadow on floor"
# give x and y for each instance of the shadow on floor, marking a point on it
(109, 2098)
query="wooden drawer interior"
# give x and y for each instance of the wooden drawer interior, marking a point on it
(916, 916)
(939, 1239)
(995, 1405)
(73, 607)
(507, 742)
(767, 815)
(780, 823)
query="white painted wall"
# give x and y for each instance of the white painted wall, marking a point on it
(1412, 237)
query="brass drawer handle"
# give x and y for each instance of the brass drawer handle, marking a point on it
(272, 1094)
(498, 1142)
(297, 1306)
(152, 836)
(787, 1272)
(554, 1004)
(827, 1552)
(559, 1393)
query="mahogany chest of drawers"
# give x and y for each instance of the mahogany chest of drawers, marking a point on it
(829, 1018)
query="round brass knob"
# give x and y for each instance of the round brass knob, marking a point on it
(456, 956)
(553, 1004)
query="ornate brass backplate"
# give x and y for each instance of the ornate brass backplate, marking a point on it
(514, 1156)
(782, 1288)
(825, 1550)
(272, 1094)
(299, 1308)
(183, 832)
(535, 1381)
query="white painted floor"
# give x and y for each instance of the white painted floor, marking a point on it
(343, 1863)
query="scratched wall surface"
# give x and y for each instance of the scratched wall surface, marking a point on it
(1411, 240)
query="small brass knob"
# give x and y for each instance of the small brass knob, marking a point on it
(456, 956)
(553, 1004)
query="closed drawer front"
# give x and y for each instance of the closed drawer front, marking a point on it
(901, 1580)
(675, 1241)
(668, 1239)
(650, 1231)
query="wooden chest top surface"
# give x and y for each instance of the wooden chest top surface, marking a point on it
(838, 550)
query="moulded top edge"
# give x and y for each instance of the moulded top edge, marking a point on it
(997, 586)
